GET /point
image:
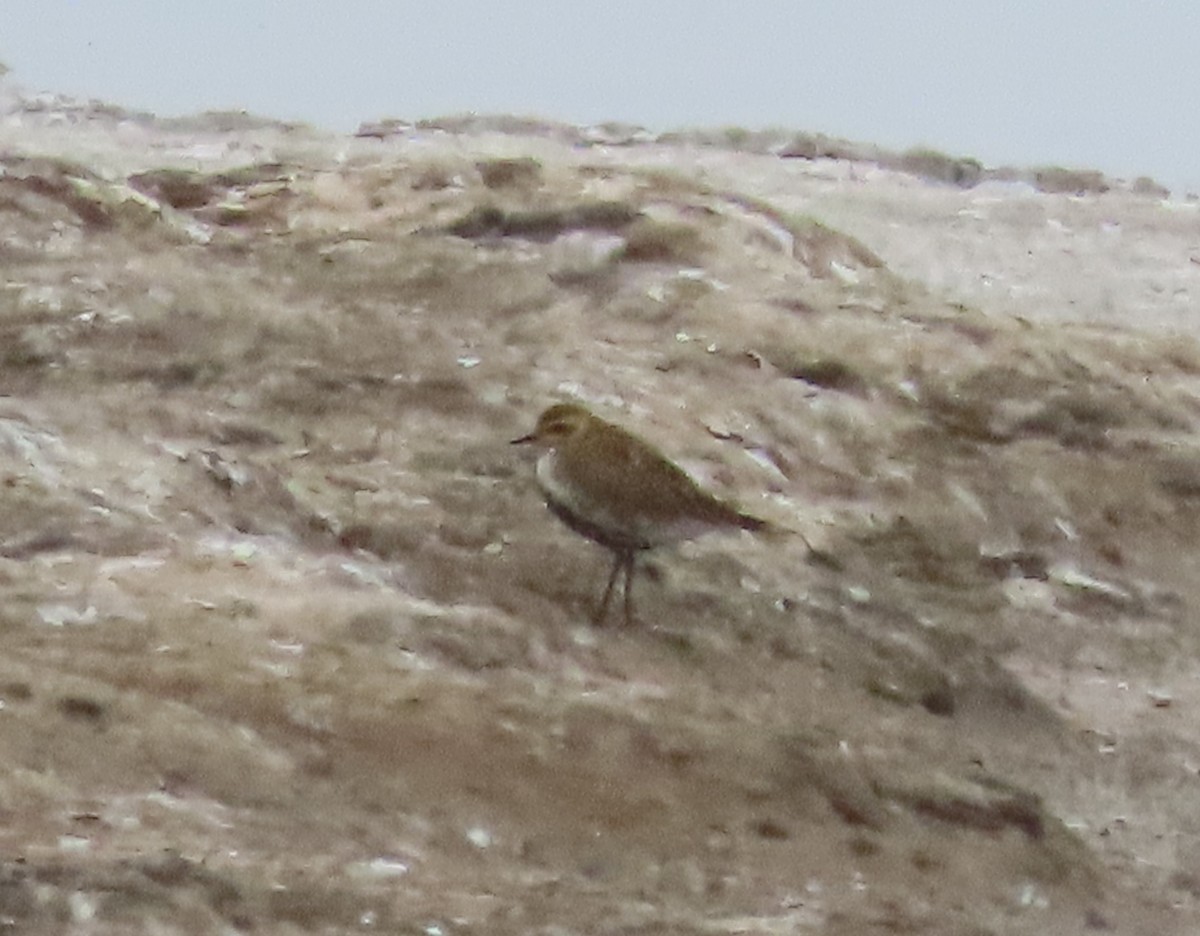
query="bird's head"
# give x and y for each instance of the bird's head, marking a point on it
(557, 424)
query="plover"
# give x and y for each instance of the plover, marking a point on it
(618, 490)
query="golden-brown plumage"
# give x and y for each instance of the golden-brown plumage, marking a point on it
(613, 487)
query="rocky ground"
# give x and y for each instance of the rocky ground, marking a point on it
(290, 643)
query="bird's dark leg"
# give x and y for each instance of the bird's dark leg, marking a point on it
(618, 562)
(628, 560)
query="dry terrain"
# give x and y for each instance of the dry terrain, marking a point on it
(290, 643)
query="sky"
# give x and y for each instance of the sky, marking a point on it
(1105, 84)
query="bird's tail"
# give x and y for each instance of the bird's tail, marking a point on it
(776, 533)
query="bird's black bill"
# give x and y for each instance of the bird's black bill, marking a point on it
(522, 440)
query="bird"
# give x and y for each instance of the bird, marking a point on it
(618, 490)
